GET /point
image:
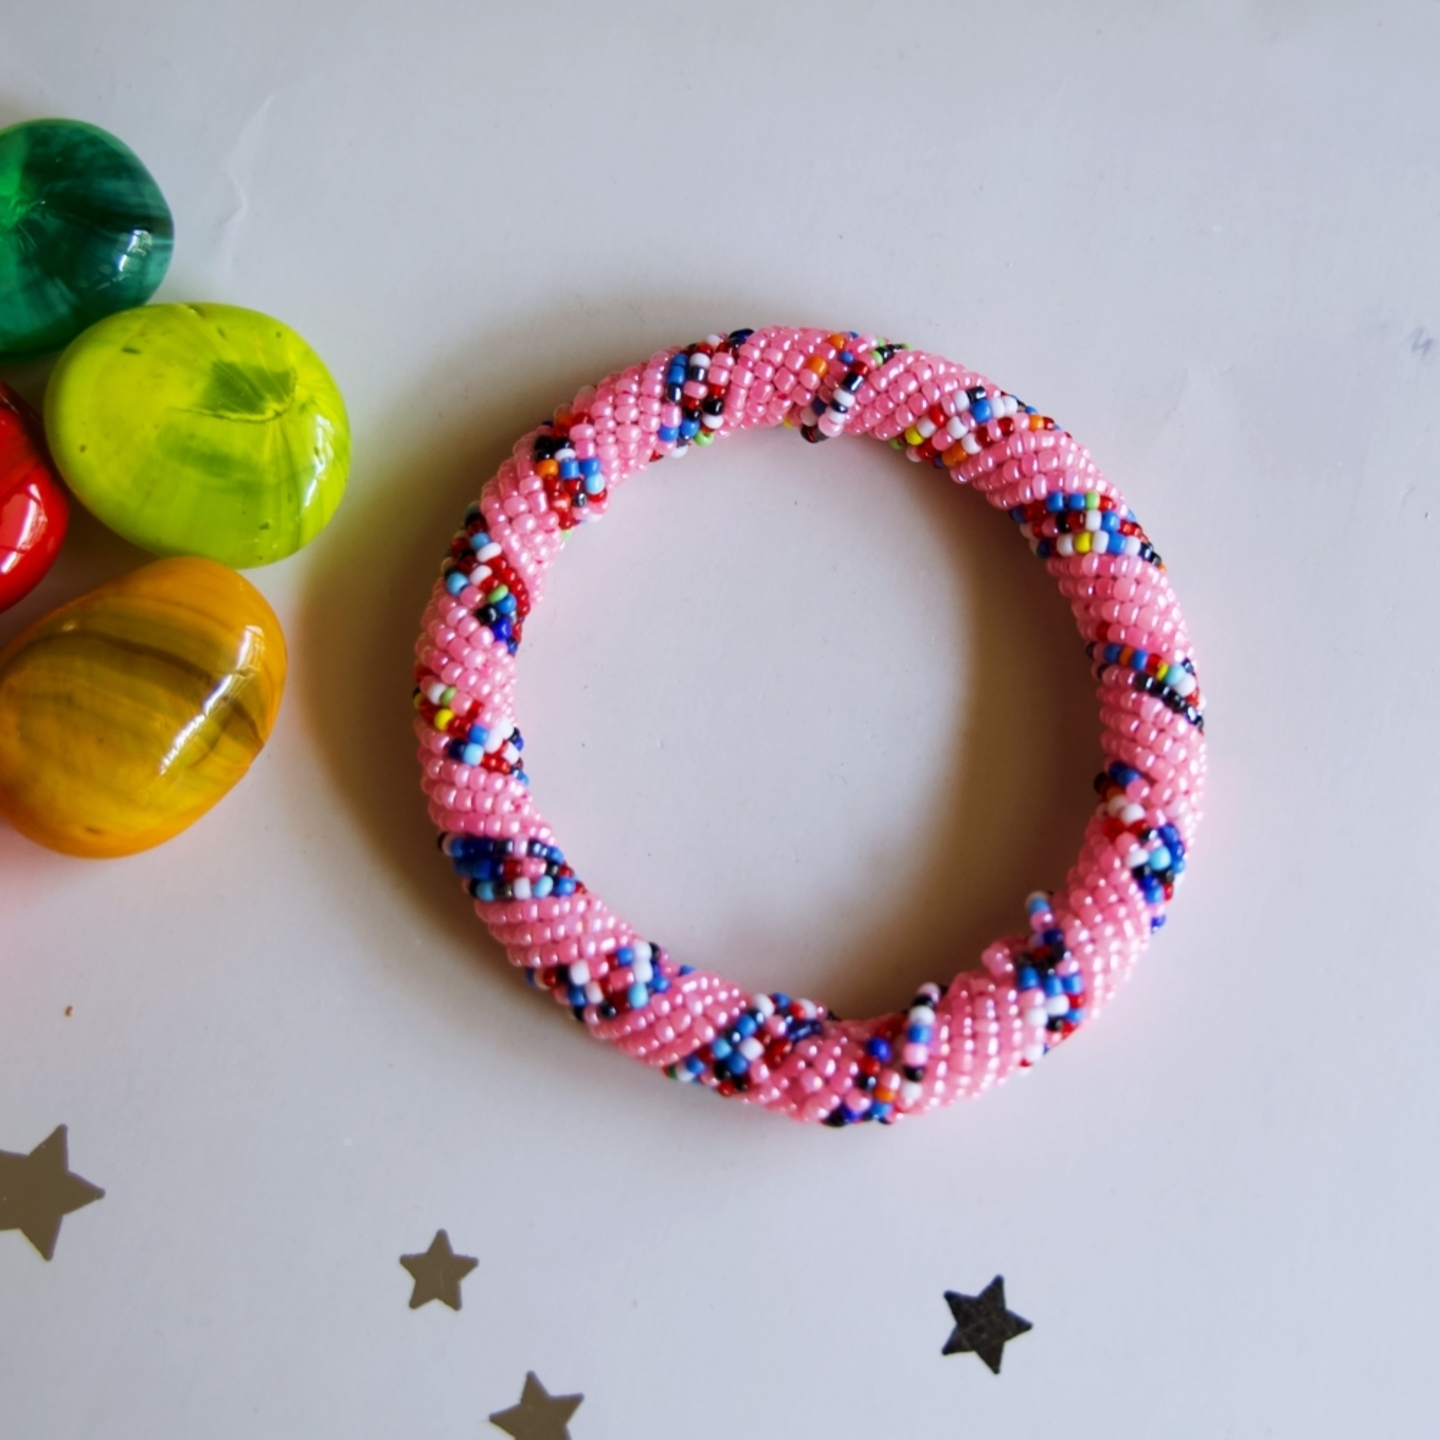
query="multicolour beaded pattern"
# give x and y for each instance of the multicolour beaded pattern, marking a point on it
(1030, 990)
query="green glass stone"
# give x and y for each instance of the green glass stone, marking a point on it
(200, 430)
(84, 232)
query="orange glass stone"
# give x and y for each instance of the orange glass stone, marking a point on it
(126, 714)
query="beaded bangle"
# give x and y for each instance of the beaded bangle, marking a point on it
(1031, 990)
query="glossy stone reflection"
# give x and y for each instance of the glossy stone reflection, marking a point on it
(84, 231)
(126, 714)
(33, 510)
(200, 430)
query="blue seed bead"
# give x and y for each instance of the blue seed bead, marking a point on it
(542, 887)
(1028, 978)
(1140, 659)
(565, 885)
(507, 606)
(590, 466)
(1018, 514)
(1109, 521)
(881, 1109)
(1044, 549)
(479, 540)
(1053, 937)
(638, 996)
(668, 432)
(1053, 986)
(1055, 501)
(918, 1034)
(687, 969)
(485, 891)
(746, 1024)
(694, 1065)
(455, 582)
(478, 735)
(1037, 903)
(1171, 836)
(689, 428)
(569, 469)
(1160, 858)
(879, 1047)
(982, 410)
(625, 956)
(473, 754)
(1075, 502)
(781, 999)
(1074, 984)
(720, 1047)
(737, 1064)
(1077, 1014)
(1122, 774)
(594, 484)
(1152, 890)
(576, 995)
(660, 984)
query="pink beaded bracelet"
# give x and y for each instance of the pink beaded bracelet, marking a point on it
(1030, 990)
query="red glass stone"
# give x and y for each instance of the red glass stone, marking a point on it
(33, 509)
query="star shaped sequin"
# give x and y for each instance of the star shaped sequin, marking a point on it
(983, 1324)
(37, 1191)
(539, 1415)
(438, 1273)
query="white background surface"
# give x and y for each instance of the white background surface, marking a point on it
(802, 713)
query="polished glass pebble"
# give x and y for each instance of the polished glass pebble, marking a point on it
(200, 430)
(126, 714)
(33, 510)
(84, 231)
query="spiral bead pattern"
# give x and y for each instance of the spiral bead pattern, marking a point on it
(1032, 989)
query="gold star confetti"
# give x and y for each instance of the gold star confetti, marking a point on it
(539, 1415)
(438, 1273)
(37, 1191)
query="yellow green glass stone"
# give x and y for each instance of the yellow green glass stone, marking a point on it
(126, 714)
(200, 430)
(84, 231)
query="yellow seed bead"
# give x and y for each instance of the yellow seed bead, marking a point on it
(1082, 543)
(443, 718)
(914, 437)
